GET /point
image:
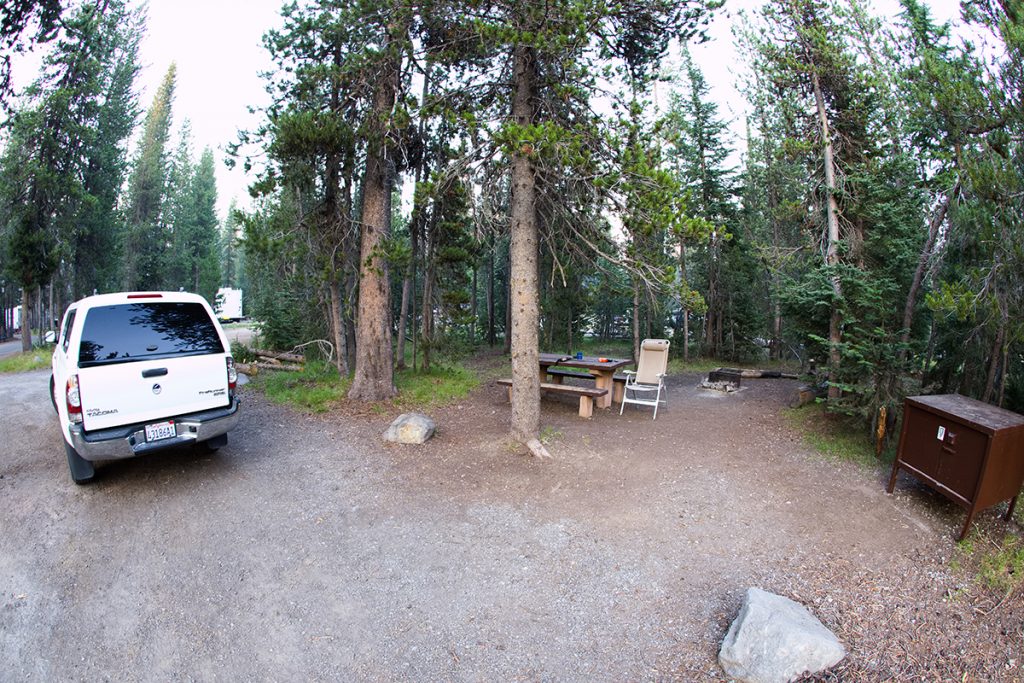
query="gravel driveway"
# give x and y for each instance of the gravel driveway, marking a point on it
(291, 555)
(308, 550)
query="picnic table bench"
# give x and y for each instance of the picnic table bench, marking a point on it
(585, 394)
(558, 376)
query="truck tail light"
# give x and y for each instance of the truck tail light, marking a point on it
(232, 376)
(74, 400)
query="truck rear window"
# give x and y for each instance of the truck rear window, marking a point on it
(147, 330)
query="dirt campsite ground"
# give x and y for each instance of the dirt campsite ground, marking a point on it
(308, 548)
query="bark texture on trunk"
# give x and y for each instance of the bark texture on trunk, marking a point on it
(922, 266)
(490, 295)
(776, 350)
(427, 314)
(508, 303)
(374, 372)
(26, 316)
(337, 328)
(374, 376)
(525, 426)
(686, 311)
(403, 318)
(409, 281)
(636, 320)
(995, 357)
(835, 333)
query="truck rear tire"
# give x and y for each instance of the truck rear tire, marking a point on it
(82, 471)
(212, 445)
(53, 396)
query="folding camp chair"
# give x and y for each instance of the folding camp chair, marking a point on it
(649, 377)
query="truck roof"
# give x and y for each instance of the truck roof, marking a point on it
(133, 297)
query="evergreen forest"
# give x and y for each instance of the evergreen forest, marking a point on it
(434, 178)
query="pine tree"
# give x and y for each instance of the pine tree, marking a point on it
(373, 379)
(146, 235)
(40, 19)
(201, 246)
(698, 153)
(179, 212)
(96, 256)
(553, 50)
(44, 165)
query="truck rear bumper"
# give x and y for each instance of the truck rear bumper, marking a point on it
(129, 441)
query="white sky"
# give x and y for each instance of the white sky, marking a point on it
(217, 45)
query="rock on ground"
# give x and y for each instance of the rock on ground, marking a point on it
(776, 640)
(410, 428)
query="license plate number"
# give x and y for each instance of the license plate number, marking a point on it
(160, 430)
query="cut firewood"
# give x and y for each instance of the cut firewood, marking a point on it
(248, 368)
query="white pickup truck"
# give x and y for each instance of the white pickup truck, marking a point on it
(138, 372)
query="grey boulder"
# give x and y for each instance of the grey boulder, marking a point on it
(410, 428)
(776, 640)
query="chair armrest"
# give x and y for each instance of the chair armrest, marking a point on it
(629, 372)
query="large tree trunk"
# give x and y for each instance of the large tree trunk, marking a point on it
(26, 315)
(636, 320)
(569, 331)
(995, 357)
(490, 295)
(374, 376)
(403, 316)
(1003, 374)
(350, 271)
(338, 327)
(427, 315)
(776, 346)
(409, 282)
(508, 303)
(686, 311)
(473, 310)
(337, 214)
(523, 256)
(374, 373)
(832, 247)
(922, 265)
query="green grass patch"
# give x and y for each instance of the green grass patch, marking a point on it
(1003, 569)
(678, 366)
(833, 436)
(705, 365)
(996, 566)
(317, 388)
(438, 386)
(36, 359)
(549, 434)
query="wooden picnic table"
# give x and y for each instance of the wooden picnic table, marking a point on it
(603, 372)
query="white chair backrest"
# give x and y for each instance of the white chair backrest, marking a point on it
(653, 361)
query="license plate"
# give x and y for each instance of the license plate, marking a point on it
(160, 430)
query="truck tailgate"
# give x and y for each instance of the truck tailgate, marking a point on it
(144, 391)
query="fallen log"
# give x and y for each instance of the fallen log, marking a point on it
(281, 355)
(248, 368)
(762, 374)
(289, 367)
